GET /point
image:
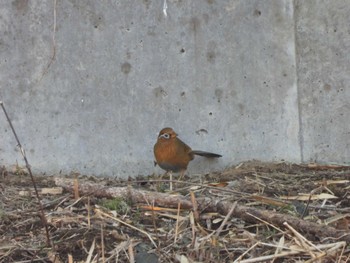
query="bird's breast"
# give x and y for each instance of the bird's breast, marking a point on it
(172, 155)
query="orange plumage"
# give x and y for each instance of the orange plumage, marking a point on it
(172, 154)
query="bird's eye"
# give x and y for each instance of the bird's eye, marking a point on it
(166, 136)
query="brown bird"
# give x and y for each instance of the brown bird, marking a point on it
(173, 155)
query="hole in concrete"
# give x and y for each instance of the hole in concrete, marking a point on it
(126, 67)
(211, 56)
(257, 12)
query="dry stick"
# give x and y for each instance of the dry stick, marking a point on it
(341, 254)
(154, 221)
(70, 258)
(267, 223)
(91, 250)
(288, 253)
(193, 227)
(306, 208)
(248, 214)
(131, 253)
(305, 242)
(177, 222)
(102, 245)
(76, 187)
(195, 206)
(227, 217)
(98, 211)
(43, 217)
(246, 252)
(88, 212)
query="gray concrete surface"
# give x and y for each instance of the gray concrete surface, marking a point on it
(323, 41)
(263, 80)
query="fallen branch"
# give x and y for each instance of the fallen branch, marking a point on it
(248, 214)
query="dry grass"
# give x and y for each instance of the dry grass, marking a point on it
(90, 229)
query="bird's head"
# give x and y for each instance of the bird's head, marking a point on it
(167, 134)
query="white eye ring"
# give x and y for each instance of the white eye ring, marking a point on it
(165, 136)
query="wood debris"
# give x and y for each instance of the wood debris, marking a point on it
(249, 213)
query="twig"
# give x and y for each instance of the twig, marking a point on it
(267, 223)
(177, 223)
(98, 211)
(88, 212)
(227, 217)
(193, 227)
(269, 257)
(287, 253)
(102, 245)
(43, 217)
(246, 252)
(341, 254)
(131, 253)
(91, 250)
(195, 206)
(154, 221)
(304, 241)
(248, 214)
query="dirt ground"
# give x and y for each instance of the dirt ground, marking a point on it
(276, 212)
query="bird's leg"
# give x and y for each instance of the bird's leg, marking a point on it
(171, 180)
(160, 181)
(181, 175)
(162, 175)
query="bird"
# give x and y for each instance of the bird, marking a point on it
(173, 155)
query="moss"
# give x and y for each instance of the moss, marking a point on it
(117, 204)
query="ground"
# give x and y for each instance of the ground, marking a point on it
(94, 227)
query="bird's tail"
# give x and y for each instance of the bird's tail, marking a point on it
(207, 154)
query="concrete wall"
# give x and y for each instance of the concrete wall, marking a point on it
(265, 80)
(323, 61)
